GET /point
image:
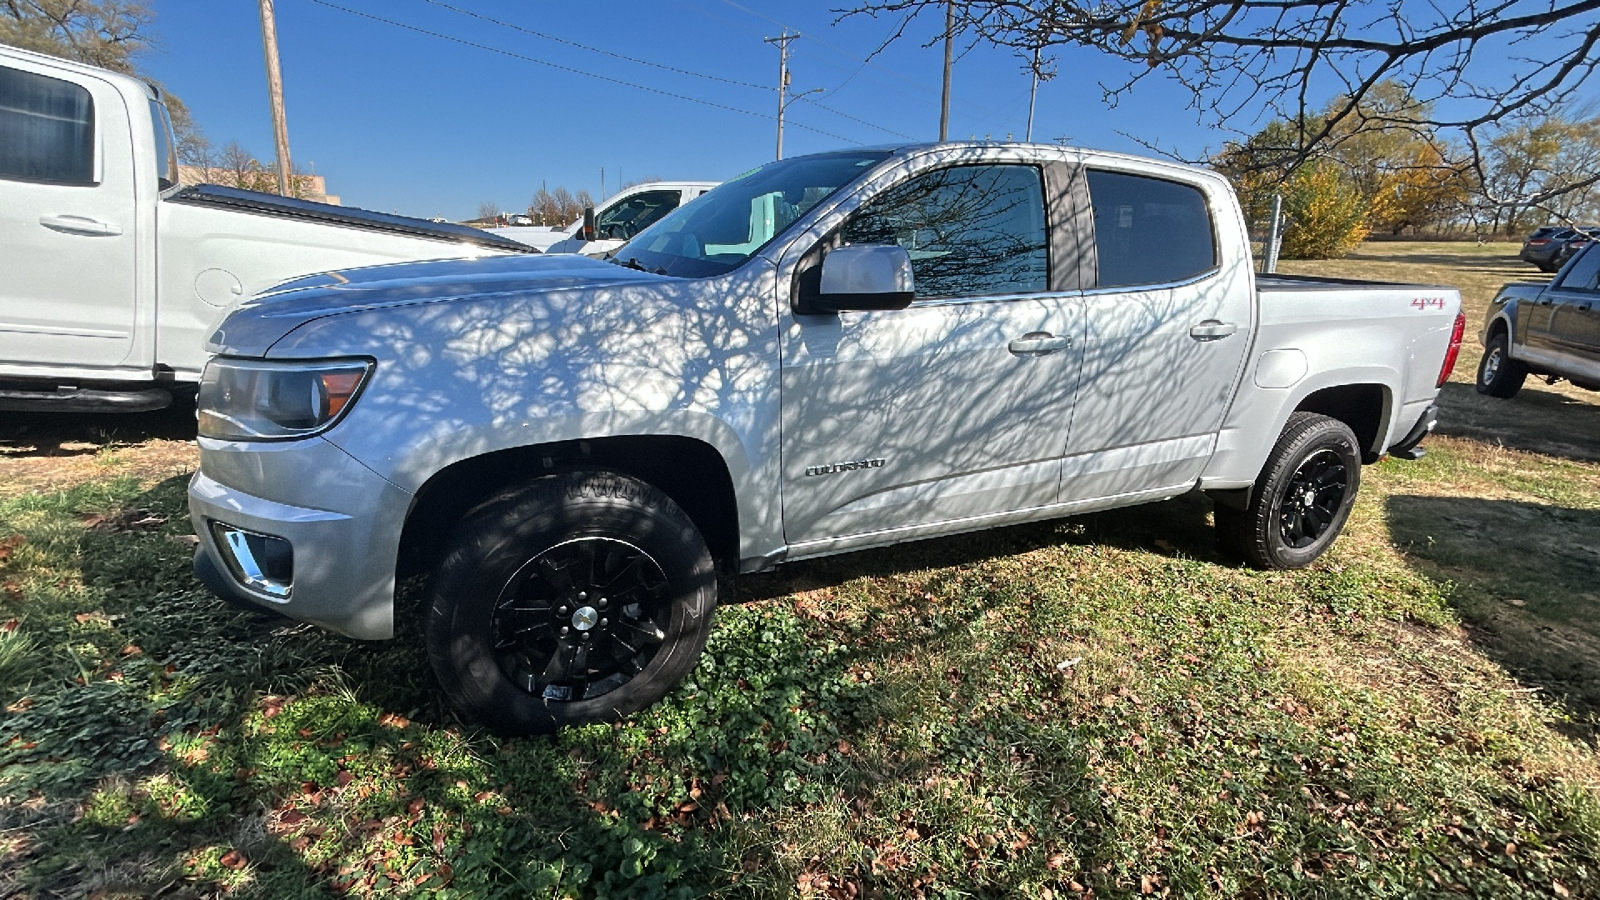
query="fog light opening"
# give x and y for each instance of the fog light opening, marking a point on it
(260, 562)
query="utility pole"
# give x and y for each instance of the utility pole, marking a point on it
(782, 41)
(1032, 92)
(949, 39)
(784, 99)
(280, 130)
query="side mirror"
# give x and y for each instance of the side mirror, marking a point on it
(862, 277)
(586, 233)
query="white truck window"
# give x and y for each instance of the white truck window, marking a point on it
(971, 231)
(46, 129)
(1148, 230)
(635, 214)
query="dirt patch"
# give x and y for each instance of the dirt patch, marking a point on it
(47, 452)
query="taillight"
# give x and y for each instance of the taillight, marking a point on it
(1454, 351)
(1538, 242)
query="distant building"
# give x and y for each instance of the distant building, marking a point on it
(306, 187)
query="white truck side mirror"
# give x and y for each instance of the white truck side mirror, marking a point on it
(864, 277)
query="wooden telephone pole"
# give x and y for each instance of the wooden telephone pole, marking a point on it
(949, 39)
(280, 129)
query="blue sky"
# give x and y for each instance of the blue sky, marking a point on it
(416, 124)
(425, 124)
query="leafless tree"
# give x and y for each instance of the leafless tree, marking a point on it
(1475, 64)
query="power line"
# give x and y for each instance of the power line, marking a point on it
(645, 62)
(854, 119)
(602, 51)
(851, 56)
(575, 71)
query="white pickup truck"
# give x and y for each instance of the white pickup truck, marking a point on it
(920, 342)
(114, 274)
(623, 215)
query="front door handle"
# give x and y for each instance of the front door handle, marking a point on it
(1584, 306)
(1038, 343)
(1212, 329)
(80, 225)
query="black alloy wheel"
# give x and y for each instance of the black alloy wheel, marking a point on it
(1315, 494)
(574, 598)
(1300, 500)
(580, 619)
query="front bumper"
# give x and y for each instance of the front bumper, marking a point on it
(341, 520)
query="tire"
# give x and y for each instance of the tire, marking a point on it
(1498, 374)
(1301, 499)
(580, 597)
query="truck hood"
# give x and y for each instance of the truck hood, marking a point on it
(263, 320)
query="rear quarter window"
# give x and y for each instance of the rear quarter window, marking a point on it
(1583, 273)
(46, 129)
(1149, 230)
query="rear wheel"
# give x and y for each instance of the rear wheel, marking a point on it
(1302, 498)
(581, 597)
(1498, 374)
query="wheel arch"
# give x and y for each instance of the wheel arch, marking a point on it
(1365, 407)
(690, 471)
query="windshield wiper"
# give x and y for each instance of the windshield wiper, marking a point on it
(633, 263)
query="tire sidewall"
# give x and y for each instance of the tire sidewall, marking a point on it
(1496, 348)
(493, 543)
(1325, 434)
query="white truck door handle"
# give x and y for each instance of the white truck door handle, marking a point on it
(1211, 330)
(1038, 343)
(79, 225)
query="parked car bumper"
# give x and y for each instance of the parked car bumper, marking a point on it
(324, 552)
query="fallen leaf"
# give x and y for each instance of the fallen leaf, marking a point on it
(233, 859)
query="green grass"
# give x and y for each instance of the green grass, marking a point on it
(1099, 705)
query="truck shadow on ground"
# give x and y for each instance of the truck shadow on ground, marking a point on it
(1537, 420)
(70, 434)
(1180, 526)
(1526, 581)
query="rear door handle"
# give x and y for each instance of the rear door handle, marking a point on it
(1038, 343)
(79, 225)
(1212, 329)
(1584, 306)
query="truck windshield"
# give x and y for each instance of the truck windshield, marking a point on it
(166, 157)
(720, 231)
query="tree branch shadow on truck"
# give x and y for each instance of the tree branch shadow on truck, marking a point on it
(1524, 583)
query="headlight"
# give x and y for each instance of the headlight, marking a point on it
(256, 400)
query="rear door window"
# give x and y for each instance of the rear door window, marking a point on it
(971, 231)
(1149, 231)
(46, 129)
(1584, 273)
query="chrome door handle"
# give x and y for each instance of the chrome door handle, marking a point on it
(1038, 343)
(79, 225)
(1212, 329)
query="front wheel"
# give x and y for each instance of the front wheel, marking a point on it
(581, 597)
(1301, 499)
(1498, 374)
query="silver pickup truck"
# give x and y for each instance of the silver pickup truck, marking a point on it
(829, 352)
